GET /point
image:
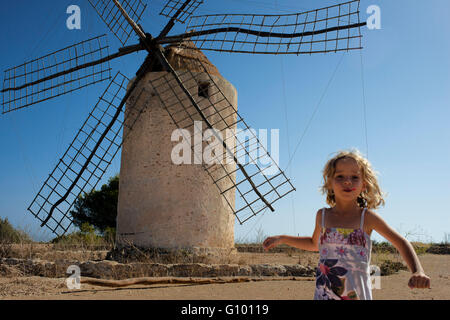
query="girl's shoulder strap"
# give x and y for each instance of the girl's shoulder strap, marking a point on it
(323, 217)
(362, 218)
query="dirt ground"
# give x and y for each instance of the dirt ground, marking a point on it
(393, 287)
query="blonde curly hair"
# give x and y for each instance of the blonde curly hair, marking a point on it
(371, 197)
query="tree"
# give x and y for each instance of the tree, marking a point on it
(98, 208)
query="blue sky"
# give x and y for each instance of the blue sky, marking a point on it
(316, 102)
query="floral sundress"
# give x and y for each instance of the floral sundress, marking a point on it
(343, 272)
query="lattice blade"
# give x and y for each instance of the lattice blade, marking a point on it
(232, 164)
(114, 19)
(64, 175)
(51, 76)
(331, 29)
(173, 6)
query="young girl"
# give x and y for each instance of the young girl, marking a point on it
(342, 232)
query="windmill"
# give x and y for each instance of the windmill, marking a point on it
(181, 93)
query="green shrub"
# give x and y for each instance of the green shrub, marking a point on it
(8, 234)
(109, 235)
(389, 267)
(386, 247)
(383, 247)
(439, 248)
(86, 238)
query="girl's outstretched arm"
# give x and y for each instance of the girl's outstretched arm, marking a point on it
(304, 243)
(418, 279)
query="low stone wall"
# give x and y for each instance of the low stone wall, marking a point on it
(114, 270)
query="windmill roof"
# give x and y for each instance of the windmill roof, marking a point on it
(186, 56)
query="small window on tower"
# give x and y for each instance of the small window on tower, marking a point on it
(203, 88)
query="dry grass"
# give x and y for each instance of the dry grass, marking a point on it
(51, 252)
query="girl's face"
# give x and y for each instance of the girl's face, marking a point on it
(347, 182)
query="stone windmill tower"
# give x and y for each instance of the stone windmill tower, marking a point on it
(168, 205)
(162, 203)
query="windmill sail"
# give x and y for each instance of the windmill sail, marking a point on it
(111, 15)
(236, 163)
(180, 10)
(55, 74)
(330, 29)
(65, 184)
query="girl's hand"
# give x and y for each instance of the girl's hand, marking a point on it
(271, 242)
(419, 280)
